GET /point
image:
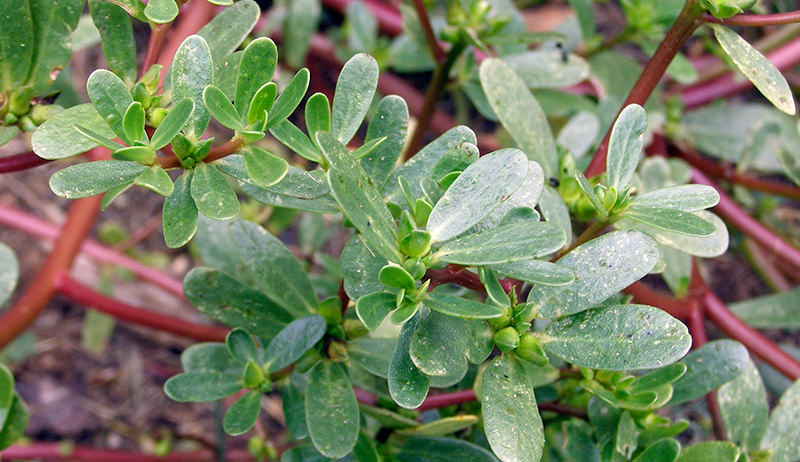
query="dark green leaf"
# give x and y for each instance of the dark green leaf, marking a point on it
(293, 341)
(621, 337)
(671, 220)
(372, 354)
(294, 410)
(16, 43)
(360, 200)
(208, 357)
(510, 415)
(709, 367)
(229, 28)
(294, 138)
(241, 345)
(221, 108)
(438, 347)
(441, 427)
(296, 183)
(373, 308)
(53, 21)
(718, 451)
(140, 154)
(212, 194)
(658, 378)
(192, 70)
(157, 180)
(408, 386)
(261, 104)
(360, 266)
(665, 450)
(111, 99)
(116, 32)
(331, 410)
(289, 98)
(264, 168)
(93, 178)
(133, 122)
(625, 146)
(179, 216)
(255, 69)
(223, 298)
(172, 124)
(390, 122)
(161, 11)
(15, 423)
(243, 414)
(202, 386)
(503, 244)
(743, 407)
(462, 308)
(6, 393)
(354, 91)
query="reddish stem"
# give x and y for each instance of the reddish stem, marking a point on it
(756, 20)
(680, 309)
(454, 274)
(56, 452)
(436, 48)
(81, 294)
(739, 218)
(22, 161)
(155, 43)
(697, 328)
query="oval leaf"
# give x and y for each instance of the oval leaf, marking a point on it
(242, 415)
(331, 410)
(179, 215)
(202, 386)
(625, 145)
(354, 91)
(93, 178)
(293, 341)
(503, 244)
(191, 72)
(212, 194)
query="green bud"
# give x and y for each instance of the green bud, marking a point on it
(255, 446)
(26, 124)
(569, 190)
(530, 350)
(202, 148)
(394, 209)
(584, 209)
(416, 244)
(609, 198)
(415, 268)
(188, 163)
(151, 77)
(253, 376)
(11, 119)
(337, 351)
(422, 210)
(394, 275)
(307, 361)
(156, 116)
(141, 95)
(20, 102)
(502, 321)
(507, 339)
(43, 112)
(331, 310)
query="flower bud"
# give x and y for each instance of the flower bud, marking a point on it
(506, 339)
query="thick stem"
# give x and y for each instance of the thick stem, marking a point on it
(739, 218)
(680, 309)
(676, 37)
(756, 20)
(79, 293)
(22, 161)
(434, 45)
(55, 452)
(587, 235)
(158, 35)
(454, 274)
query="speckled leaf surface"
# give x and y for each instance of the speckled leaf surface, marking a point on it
(440, 450)
(744, 409)
(293, 341)
(192, 70)
(212, 194)
(226, 31)
(709, 246)
(360, 267)
(202, 386)
(503, 244)
(620, 337)
(709, 367)
(781, 432)
(462, 308)
(602, 267)
(93, 178)
(537, 272)
(717, 451)
(671, 220)
(354, 91)
(255, 69)
(179, 215)
(774, 311)
(439, 346)
(331, 410)
(408, 386)
(687, 197)
(390, 121)
(625, 145)
(57, 138)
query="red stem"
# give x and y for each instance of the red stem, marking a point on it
(680, 309)
(55, 452)
(35, 226)
(18, 162)
(436, 48)
(454, 274)
(756, 20)
(739, 218)
(81, 294)
(697, 328)
(155, 43)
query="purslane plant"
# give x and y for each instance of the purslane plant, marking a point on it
(461, 273)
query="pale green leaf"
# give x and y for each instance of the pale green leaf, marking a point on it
(212, 194)
(625, 145)
(687, 197)
(161, 11)
(331, 410)
(354, 91)
(116, 31)
(717, 451)
(202, 386)
(390, 121)
(709, 367)
(229, 28)
(93, 178)
(781, 432)
(462, 308)
(192, 70)
(743, 407)
(111, 99)
(157, 180)
(9, 274)
(503, 244)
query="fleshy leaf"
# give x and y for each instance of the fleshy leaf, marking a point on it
(390, 121)
(202, 386)
(111, 99)
(93, 178)
(221, 108)
(503, 244)
(192, 70)
(290, 97)
(781, 433)
(255, 69)
(709, 367)
(331, 410)
(354, 91)
(179, 217)
(161, 11)
(242, 414)
(172, 124)
(264, 168)
(408, 386)
(157, 180)
(212, 194)
(116, 32)
(744, 409)
(462, 308)
(293, 341)
(625, 146)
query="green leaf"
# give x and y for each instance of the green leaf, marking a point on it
(209, 357)
(671, 220)
(227, 300)
(241, 345)
(503, 244)
(589, 192)
(157, 180)
(318, 114)
(408, 386)
(757, 68)
(781, 432)
(294, 138)
(462, 308)
(261, 104)
(16, 43)
(202, 386)
(212, 194)
(603, 267)
(93, 178)
(578, 134)
(718, 451)
(359, 199)
(8, 133)
(713, 245)
(296, 183)
(620, 337)
(172, 124)
(15, 423)
(362, 27)
(774, 311)
(354, 92)
(221, 109)
(6, 393)
(687, 198)
(290, 97)
(53, 21)
(537, 272)
(441, 427)
(438, 347)
(264, 168)
(390, 122)
(665, 450)
(373, 308)
(191, 72)
(116, 32)
(139, 154)
(657, 378)
(549, 68)
(179, 215)
(9, 275)
(301, 21)
(744, 408)
(294, 411)
(276, 271)
(255, 69)
(709, 367)
(161, 11)
(293, 341)
(243, 414)
(331, 410)
(372, 354)
(554, 210)
(510, 415)
(229, 28)
(111, 99)
(520, 113)
(133, 122)
(625, 146)
(360, 266)
(440, 450)
(476, 192)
